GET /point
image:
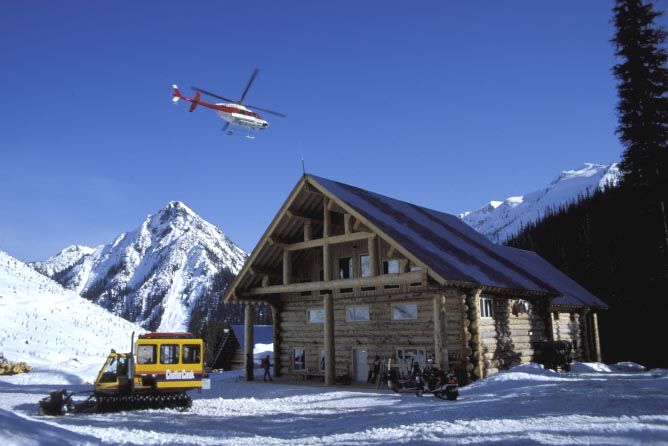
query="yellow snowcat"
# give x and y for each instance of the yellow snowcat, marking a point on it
(156, 374)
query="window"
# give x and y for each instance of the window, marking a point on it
(415, 268)
(357, 313)
(402, 312)
(316, 315)
(321, 360)
(391, 266)
(146, 354)
(299, 361)
(365, 266)
(486, 307)
(345, 268)
(169, 354)
(191, 354)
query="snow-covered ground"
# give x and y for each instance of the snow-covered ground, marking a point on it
(527, 405)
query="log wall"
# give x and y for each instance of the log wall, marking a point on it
(506, 338)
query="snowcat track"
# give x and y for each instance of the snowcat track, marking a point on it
(117, 403)
(61, 402)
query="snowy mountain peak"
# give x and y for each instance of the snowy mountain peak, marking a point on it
(160, 273)
(500, 220)
(63, 260)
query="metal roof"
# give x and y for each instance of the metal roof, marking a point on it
(573, 294)
(454, 250)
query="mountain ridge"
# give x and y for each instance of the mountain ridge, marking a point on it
(500, 220)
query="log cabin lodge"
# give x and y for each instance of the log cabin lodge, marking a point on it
(350, 274)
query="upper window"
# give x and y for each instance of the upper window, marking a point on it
(365, 266)
(191, 354)
(169, 354)
(316, 315)
(357, 313)
(146, 354)
(402, 312)
(345, 268)
(486, 307)
(391, 266)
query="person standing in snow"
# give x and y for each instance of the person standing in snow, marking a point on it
(376, 369)
(266, 364)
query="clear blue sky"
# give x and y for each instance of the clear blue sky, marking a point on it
(444, 104)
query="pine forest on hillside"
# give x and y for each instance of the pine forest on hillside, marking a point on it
(615, 243)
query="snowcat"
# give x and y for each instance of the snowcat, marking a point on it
(156, 374)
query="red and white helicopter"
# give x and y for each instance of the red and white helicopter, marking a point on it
(236, 113)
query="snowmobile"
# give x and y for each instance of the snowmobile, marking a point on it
(441, 385)
(156, 374)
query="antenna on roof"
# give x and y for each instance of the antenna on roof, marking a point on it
(302, 154)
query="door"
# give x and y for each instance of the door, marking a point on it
(361, 366)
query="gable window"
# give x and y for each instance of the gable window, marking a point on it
(345, 268)
(403, 312)
(391, 266)
(316, 315)
(486, 307)
(299, 359)
(357, 313)
(365, 266)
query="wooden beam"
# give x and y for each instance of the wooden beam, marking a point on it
(337, 239)
(386, 279)
(290, 213)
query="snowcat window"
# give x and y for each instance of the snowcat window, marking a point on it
(146, 354)
(169, 354)
(191, 354)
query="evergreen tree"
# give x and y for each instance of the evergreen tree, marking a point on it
(643, 106)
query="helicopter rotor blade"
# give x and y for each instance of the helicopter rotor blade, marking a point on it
(250, 82)
(208, 93)
(265, 110)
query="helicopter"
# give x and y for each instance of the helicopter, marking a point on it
(236, 113)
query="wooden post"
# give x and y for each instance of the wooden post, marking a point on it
(265, 280)
(249, 342)
(474, 328)
(287, 267)
(330, 365)
(346, 223)
(597, 339)
(440, 334)
(326, 263)
(307, 230)
(325, 219)
(276, 334)
(585, 336)
(373, 255)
